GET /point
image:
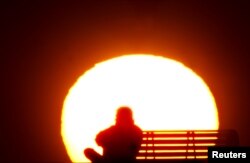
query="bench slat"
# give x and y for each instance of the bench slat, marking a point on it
(181, 131)
(178, 141)
(174, 148)
(182, 144)
(173, 154)
(181, 135)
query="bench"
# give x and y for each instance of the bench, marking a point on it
(160, 146)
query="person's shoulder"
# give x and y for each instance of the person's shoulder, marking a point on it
(137, 128)
(111, 127)
(106, 129)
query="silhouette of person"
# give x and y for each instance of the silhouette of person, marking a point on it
(120, 142)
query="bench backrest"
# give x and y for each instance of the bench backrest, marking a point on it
(184, 144)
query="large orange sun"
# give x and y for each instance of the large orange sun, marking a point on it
(163, 93)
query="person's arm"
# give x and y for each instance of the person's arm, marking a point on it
(99, 138)
(139, 139)
(102, 138)
(135, 147)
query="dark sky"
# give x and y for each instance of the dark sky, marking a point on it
(47, 46)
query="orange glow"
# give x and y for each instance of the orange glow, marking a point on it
(164, 95)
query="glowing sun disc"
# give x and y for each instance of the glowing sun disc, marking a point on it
(163, 93)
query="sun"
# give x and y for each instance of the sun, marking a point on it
(163, 93)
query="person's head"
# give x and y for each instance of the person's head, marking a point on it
(124, 116)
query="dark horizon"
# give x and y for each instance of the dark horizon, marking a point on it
(47, 46)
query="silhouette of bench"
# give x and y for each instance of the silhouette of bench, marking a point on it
(159, 146)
